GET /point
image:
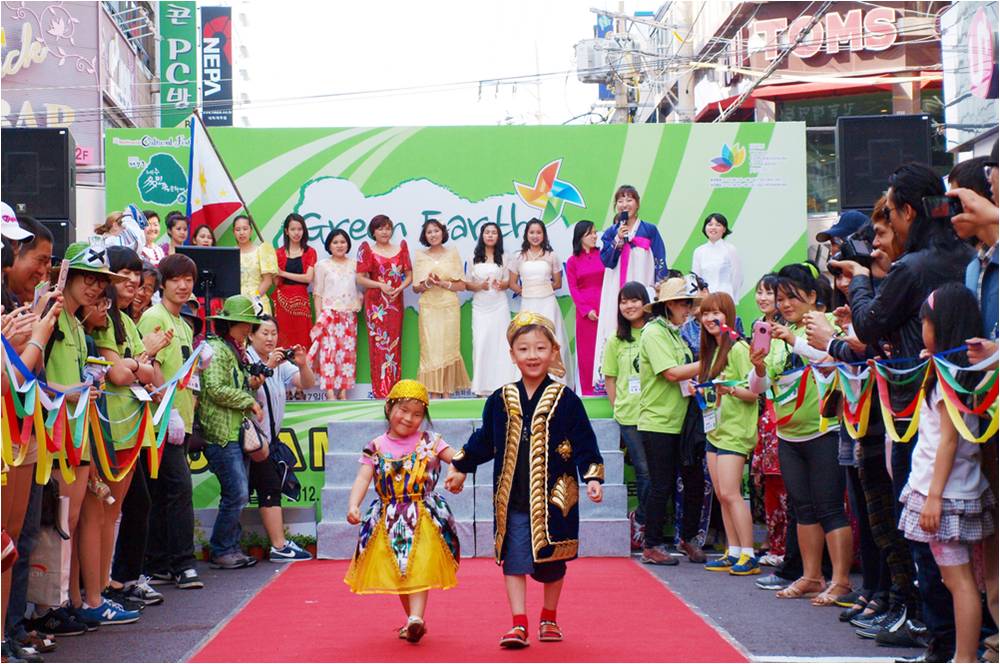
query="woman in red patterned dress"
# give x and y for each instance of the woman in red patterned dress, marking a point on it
(296, 261)
(385, 271)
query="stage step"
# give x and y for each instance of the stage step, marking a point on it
(604, 528)
(342, 467)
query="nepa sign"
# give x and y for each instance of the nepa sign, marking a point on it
(854, 31)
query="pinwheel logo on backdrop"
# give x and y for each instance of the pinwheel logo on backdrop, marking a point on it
(549, 194)
(731, 157)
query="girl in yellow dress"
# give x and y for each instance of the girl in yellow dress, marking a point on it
(407, 543)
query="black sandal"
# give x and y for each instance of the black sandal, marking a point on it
(860, 604)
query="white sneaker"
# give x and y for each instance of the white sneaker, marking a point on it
(771, 560)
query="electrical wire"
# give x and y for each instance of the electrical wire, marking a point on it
(722, 116)
(96, 114)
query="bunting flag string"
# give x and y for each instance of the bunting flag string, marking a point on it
(62, 431)
(800, 389)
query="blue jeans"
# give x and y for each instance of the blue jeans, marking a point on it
(229, 466)
(938, 611)
(637, 455)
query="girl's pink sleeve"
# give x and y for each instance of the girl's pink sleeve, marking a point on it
(368, 454)
(439, 445)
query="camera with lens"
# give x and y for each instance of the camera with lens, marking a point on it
(288, 354)
(260, 369)
(857, 250)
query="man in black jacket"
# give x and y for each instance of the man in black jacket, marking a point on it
(932, 255)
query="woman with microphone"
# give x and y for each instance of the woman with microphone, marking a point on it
(631, 250)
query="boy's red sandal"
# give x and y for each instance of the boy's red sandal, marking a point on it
(516, 638)
(548, 630)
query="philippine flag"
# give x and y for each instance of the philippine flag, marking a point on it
(212, 196)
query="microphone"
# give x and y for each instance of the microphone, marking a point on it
(622, 218)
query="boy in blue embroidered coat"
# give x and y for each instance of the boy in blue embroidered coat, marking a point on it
(538, 436)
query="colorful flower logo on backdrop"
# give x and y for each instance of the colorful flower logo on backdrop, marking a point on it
(731, 157)
(549, 194)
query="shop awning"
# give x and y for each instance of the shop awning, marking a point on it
(713, 110)
(806, 90)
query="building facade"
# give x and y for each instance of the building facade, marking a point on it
(859, 58)
(85, 66)
(969, 58)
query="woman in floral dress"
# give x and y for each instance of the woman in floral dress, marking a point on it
(385, 272)
(334, 349)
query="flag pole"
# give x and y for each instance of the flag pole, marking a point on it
(232, 180)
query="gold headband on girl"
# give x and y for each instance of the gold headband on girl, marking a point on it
(409, 389)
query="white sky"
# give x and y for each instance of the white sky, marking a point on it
(300, 48)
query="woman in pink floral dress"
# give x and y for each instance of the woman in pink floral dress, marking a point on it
(385, 272)
(334, 350)
(765, 469)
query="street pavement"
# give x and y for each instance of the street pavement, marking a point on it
(767, 627)
(171, 631)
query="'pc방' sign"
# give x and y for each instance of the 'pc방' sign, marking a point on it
(178, 62)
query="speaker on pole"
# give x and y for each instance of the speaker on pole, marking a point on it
(870, 147)
(38, 172)
(63, 235)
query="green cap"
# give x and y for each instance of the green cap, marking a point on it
(89, 257)
(238, 309)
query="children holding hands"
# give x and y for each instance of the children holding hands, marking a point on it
(538, 436)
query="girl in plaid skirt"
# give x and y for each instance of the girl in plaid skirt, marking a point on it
(946, 499)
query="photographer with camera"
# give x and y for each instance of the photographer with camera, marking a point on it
(974, 183)
(932, 255)
(847, 224)
(227, 399)
(281, 369)
(888, 605)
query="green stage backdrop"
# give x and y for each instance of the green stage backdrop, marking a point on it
(753, 173)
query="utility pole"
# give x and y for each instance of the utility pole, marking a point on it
(621, 112)
(684, 107)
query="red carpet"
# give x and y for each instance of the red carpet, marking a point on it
(611, 611)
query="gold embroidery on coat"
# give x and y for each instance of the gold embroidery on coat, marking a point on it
(512, 403)
(565, 450)
(595, 471)
(565, 494)
(538, 464)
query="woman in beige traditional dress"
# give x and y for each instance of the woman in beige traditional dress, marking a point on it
(437, 278)
(258, 264)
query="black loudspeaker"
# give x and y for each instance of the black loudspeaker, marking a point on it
(39, 172)
(871, 147)
(63, 235)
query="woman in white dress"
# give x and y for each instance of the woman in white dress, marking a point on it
(536, 274)
(717, 261)
(488, 280)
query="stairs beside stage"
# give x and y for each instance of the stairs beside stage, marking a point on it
(604, 527)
